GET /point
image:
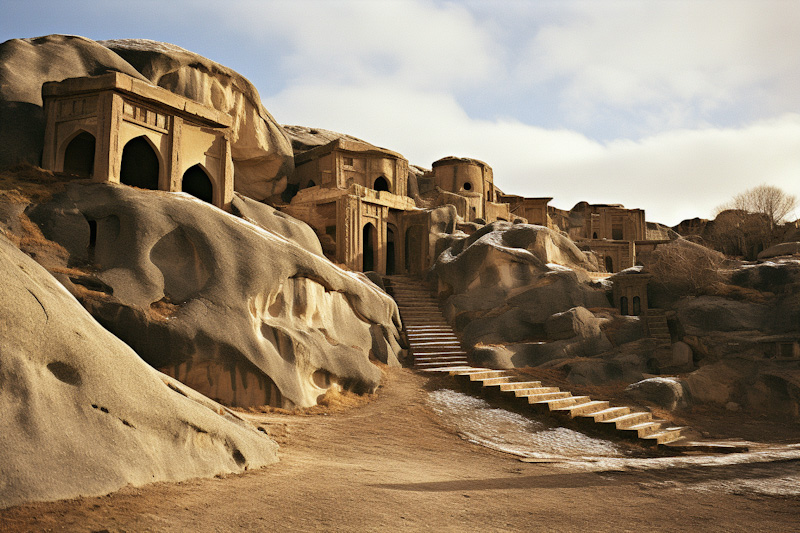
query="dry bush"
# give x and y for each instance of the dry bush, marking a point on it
(682, 267)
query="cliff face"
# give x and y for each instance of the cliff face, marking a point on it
(84, 415)
(240, 312)
(261, 151)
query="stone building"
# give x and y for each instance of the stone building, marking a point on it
(472, 180)
(354, 196)
(534, 210)
(119, 129)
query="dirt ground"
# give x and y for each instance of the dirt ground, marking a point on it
(389, 465)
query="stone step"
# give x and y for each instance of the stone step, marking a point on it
(441, 354)
(665, 436)
(432, 336)
(479, 376)
(644, 429)
(626, 421)
(427, 358)
(543, 397)
(520, 385)
(606, 414)
(440, 364)
(557, 403)
(488, 382)
(584, 408)
(524, 393)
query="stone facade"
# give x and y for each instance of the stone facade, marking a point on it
(354, 196)
(118, 129)
(629, 293)
(472, 180)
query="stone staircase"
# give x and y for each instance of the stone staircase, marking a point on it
(435, 347)
(432, 342)
(656, 323)
(596, 413)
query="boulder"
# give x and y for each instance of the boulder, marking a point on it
(785, 248)
(504, 281)
(712, 313)
(83, 415)
(242, 314)
(576, 322)
(270, 219)
(667, 393)
(720, 382)
(25, 65)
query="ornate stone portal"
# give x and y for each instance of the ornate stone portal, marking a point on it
(118, 129)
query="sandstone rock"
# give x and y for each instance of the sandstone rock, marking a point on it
(83, 415)
(271, 219)
(721, 382)
(26, 64)
(304, 138)
(682, 355)
(491, 356)
(663, 392)
(262, 153)
(711, 313)
(241, 314)
(575, 322)
(786, 248)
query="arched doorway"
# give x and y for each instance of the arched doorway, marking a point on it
(79, 155)
(623, 305)
(197, 183)
(390, 250)
(381, 184)
(140, 167)
(368, 240)
(609, 264)
(637, 306)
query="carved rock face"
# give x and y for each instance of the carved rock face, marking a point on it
(83, 415)
(240, 313)
(261, 151)
(25, 65)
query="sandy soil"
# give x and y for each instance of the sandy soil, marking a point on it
(389, 465)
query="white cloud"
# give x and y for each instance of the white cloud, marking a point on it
(706, 55)
(673, 175)
(404, 42)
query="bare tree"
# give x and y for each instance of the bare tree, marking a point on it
(766, 200)
(750, 222)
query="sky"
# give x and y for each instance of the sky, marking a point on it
(671, 106)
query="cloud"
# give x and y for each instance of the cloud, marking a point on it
(698, 58)
(405, 42)
(673, 175)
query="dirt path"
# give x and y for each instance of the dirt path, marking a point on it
(390, 466)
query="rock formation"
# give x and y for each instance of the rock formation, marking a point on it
(504, 283)
(237, 310)
(84, 415)
(25, 65)
(262, 154)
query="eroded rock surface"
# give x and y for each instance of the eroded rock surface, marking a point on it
(505, 281)
(240, 313)
(84, 415)
(262, 153)
(25, 65)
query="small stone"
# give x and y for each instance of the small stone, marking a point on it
(732, 406)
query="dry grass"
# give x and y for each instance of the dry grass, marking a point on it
(30, 184)
(163, 309)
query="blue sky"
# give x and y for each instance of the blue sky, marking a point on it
(671, 106)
